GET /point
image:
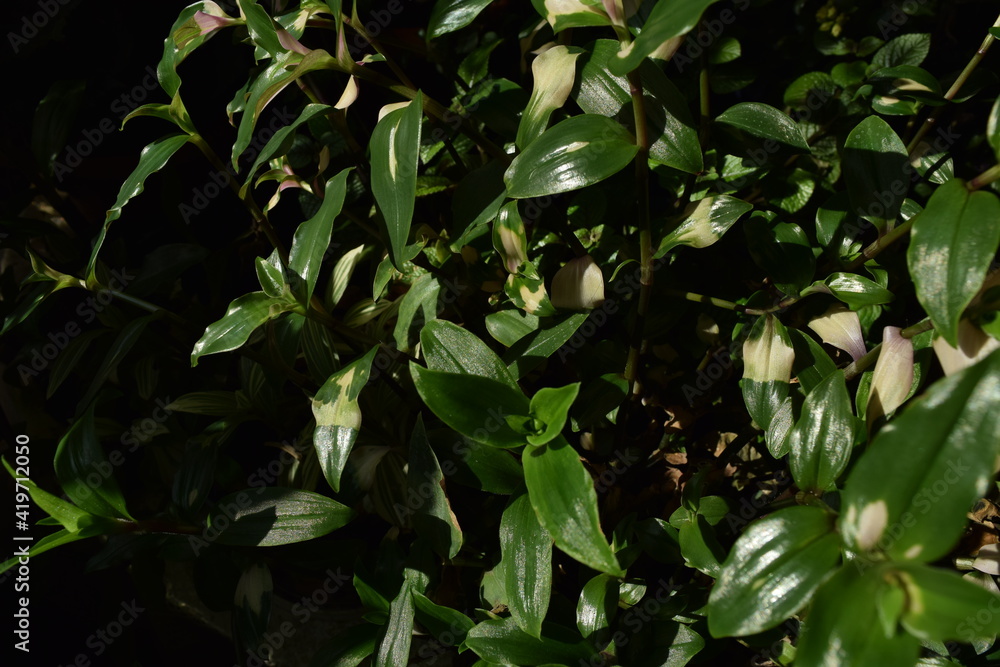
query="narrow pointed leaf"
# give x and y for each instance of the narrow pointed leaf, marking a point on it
(71, 517)
(820, 443)
(573, 154)
(451, 15)
(449, 348)
(242, 317)
(395, 155)
(564, 14)
(596, 608)
(127, 338)
(666, 21)
(152, 158)
(273, 146)
(940, 451)
(312, 238)
(704, 222)
(394, 649)
(951, 246)
(772, 571)
(84, 472)
(553, 73)
(562, 493)
(550, 405)
(261, 27)
(765, 124)
(433, 518)
(500, 641)
(271, 516)
(338, 416)
(526, 549)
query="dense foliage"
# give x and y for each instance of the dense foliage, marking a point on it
(552, 333)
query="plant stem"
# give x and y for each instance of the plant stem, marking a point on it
(881, 244)
(638, 337)
(955, 87)
(857, 367)
(985, 178)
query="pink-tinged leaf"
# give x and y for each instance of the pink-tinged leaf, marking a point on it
(840, 327)
(893, 375)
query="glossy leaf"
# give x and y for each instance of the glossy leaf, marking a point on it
(553, 72)
(875, 170)
(942, 606)
(476, 407)
(242, 317)
(449, 348)
(563, 14)
(772, 571)
(562, 493)
(348, 649)
(312, 237)
(699, 546)
(939, 451)
(597, 607)
(854, 290)
(71, 517)
(844, 625)
(416, 308)
(534, 348)
(84, 472)
(273, 146)
(781, 249)
(451, 15)
(765, 124)
(951, 246)
(394, 649)
(448, 626)
(666, 21)
(673, 133)
(704, 222)
(338, 416)
(573, 154)
(433, 518)
(526, 549)
(767, 369)
(550, 405)
(152, 158)
(395, 156)
(184, 37)
(500, 641)
(822, 439)
(271, 516)
(261, 27)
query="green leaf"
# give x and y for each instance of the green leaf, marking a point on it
(71, 517)
(348, 649)
(448, 626)
(50, 541)
(562, 493)
(270, 275)
(673, 133)
(338, 416)
(562, 16)
(909, 49)
(782, 249)
(939, 452)
(941, 605)
(416, 308)
(184, 37)
(821, 441)
(808, 87)
(502, 642)
(951, 246)
(394, 649)
(286, 68)
(531, 350)
(84, 472)
(700, 547)
(596, 608)
(395, 156)
(704, 222)
(451, 15)
(242, 317)
(270, 516)
(772, 571)
(856, 291)
(526, 550)
(341, 275)
(551, 405)
(449, 348)
(765, 124)
(875, 169)
(434, 519)
(993, 128)
(152, 158)
(312, 237)
(274, 145)
(767, 369)
(261, 27)
(573, 154)
(476, 407)
(844, 628)
(666, 21)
